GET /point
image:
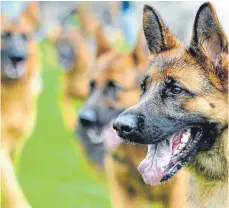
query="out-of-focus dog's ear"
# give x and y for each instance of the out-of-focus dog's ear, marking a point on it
(3, 20)
(209, 41)
(103, 45)
(158, 36)
(88, 20)
(31, 14)
(140, 53)
(54, 33)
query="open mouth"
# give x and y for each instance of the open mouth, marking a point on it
(165, 158)
(14, 70)
(95, 135)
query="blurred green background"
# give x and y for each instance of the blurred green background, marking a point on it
(52, 171)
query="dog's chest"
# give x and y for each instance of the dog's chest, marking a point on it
(18, 106)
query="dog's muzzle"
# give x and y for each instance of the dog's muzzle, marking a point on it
(129, 126)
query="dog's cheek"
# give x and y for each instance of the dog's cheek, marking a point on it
(208, 108)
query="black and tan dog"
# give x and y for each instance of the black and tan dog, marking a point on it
(183, 110)
(20, 87)
(75, 47)
(76, 58)
(114, 86)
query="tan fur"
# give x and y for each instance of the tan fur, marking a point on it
(127, 187)
(203, 69)
(18, 108)
(75, 81)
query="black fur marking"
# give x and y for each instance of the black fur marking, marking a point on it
(148, 30)
(212, 105)
(207, 4)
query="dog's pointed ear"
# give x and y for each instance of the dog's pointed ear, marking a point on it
(31, 15)
(3, 19)
(140, 53)
(89, 22)
(158, 36)
(209, 41)
(103, 44)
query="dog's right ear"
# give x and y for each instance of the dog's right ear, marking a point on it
(31, 15)
(158, 36)
(3, 19)
(103, 44)
(209, 42)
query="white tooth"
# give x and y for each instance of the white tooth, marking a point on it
(176, 152)
(181, 146)
(184, 138)
(187, 130)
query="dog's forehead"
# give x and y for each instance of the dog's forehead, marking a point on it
(182, 67)
(16, 25)
(116, 67)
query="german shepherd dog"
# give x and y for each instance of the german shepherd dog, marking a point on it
(182, 114)
(76, 59)
(114, 87)
(75, 51)
(20, 87)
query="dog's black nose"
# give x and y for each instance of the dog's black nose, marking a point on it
(16, 59)
(126, 125)
(88, 117)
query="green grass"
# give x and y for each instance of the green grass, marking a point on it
(52, 170)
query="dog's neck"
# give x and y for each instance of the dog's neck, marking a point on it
(203, 195)
(210, 171)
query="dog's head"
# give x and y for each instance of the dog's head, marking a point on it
(183, 107)
(17, 42)
(114, 86)
(65, 40)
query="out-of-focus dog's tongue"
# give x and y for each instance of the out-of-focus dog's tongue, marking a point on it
(158, 157)
(111, 138)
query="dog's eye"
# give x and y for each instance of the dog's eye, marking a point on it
(112, 84)
(143, 88)
(112, 88)
(24, 37)
(92, 85)
(6, 35)
(172, 88)
(143, 85)
(176, 90)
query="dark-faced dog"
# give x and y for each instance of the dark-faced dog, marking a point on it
(182, 114)
(75, 57)
(75, 47)
(114, 86)
(20, 87)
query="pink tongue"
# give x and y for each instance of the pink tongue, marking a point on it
(158, 157)
(111, 139)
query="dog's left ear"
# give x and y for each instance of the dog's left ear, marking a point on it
(103, 45)
(158, 36)
(209, 41)
(140, 52)
(31, 15)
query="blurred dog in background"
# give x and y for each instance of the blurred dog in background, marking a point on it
(114, 86)
(75, 52)
(20, 87)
